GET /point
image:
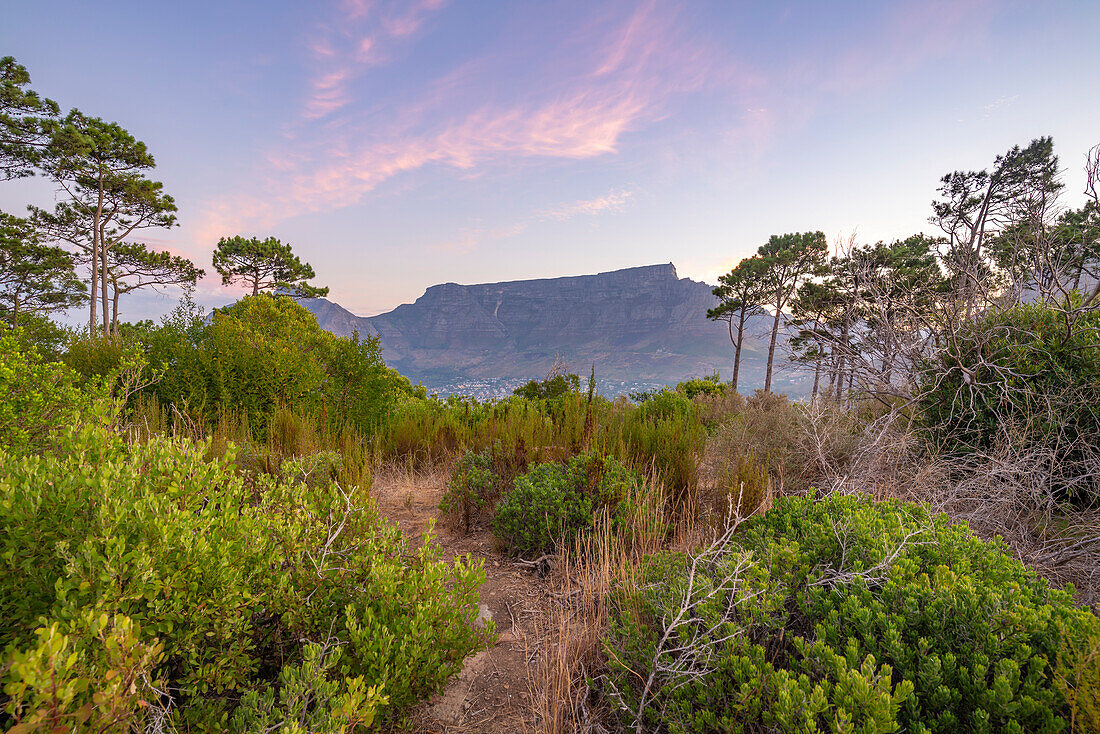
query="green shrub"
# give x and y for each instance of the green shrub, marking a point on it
(308, 700)
(215, 584)
(553, 502)
(843, 614)
(550, 388)
(711, 385)
(667, 405)
(35, 397)
(472, 488)
(92, 680)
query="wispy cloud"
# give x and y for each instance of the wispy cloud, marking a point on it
(469, 239)
(615, 201)
(361, 36)
(607, 77)
(907, 36)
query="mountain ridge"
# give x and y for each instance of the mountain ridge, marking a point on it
(642, 325)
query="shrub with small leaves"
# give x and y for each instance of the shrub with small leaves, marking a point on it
(311, 699)
(97, 678)
(843, 614)
(214, 584)
(553, 502)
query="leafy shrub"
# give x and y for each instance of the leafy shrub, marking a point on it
(35, 396)
(666, 405)
(95, 356)
(553, 502)
(550, 388)
(308, 701)
(89, 681)
(711, 385)
(215, 585)
(843, 614)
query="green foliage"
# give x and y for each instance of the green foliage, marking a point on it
(1022, 372)
(102, 169)
(1077, 675)
(230, 580)
(35, 397)
(23, 117)
(845, 614)
(478, 480)
(35, 278)
(264, 265)
(308, 701)
(710, 385)
(667, 405)
(553, 502)
(92, 680)
(550, 388)
(48, 338)
(251, 361)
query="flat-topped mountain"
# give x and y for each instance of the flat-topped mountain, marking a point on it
(639, 325)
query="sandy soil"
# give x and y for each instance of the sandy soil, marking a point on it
(492, 695)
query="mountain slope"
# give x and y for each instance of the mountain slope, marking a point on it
(639, 325)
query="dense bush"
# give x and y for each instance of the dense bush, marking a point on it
(555, 501)
(252, 358)
(1022, 376)
(711, 385)
(844, 614)
(35, 396)
(667, 405)
(153, 560)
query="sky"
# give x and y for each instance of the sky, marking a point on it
(396, 144)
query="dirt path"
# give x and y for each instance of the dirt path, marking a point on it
(491, 695)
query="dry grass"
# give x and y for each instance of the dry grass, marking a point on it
(586, 582)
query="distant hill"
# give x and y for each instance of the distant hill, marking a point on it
(641, 326)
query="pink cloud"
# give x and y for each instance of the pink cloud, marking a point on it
(355, 41)
(614, 201)
(608, 77)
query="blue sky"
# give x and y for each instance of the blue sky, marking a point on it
(400, 144)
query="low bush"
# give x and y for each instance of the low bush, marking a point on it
(477, 481)
(845, 614)
(153, 558)
(667, 405)
(35, 397)
(553, 502)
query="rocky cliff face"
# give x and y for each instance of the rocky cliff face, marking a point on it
(640, 324)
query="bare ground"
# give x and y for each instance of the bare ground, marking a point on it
(493, 693)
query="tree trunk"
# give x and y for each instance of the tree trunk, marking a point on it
(771, 350)
(95, 282)
(114, 309)
(103, 286)
(817, 374)
(96, 246)
(737, 348)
